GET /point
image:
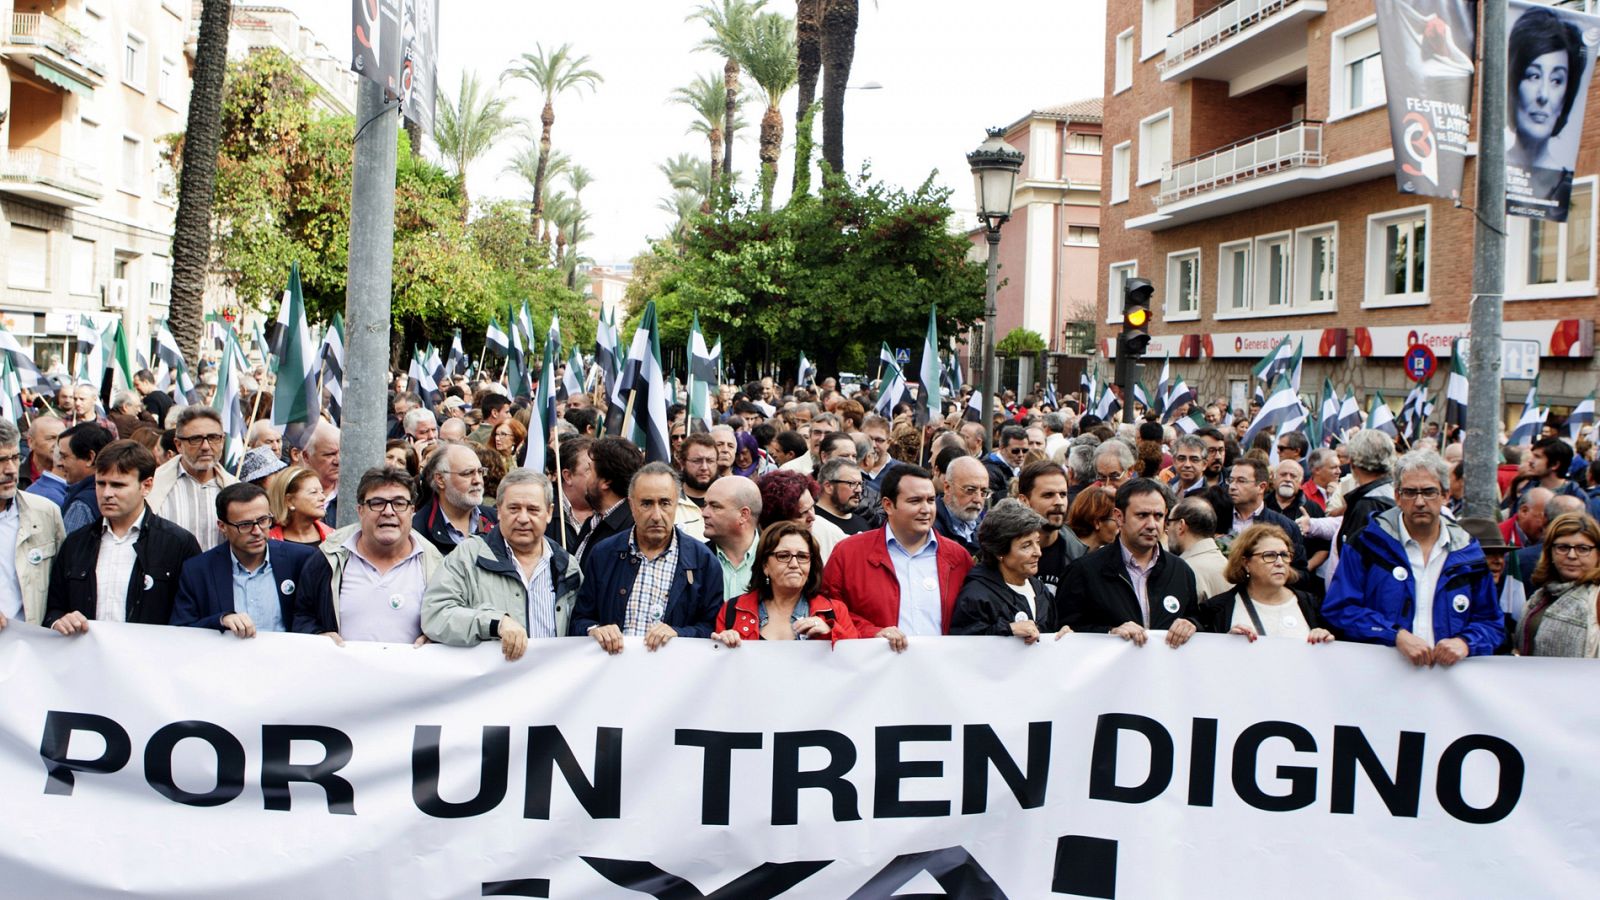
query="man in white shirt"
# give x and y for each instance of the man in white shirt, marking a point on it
(185, 488)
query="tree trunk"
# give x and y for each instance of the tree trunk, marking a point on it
(771, 145)
(730, 81)
(808, 54)
(191, 232)
(838, 52)
(414, 132)
(716, 138)
(546, 118)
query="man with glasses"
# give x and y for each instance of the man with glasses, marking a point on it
(842, 488)
(30, 534)
(1216, 454)
(366, 581)
(966, 492)
(1413, 579)
(878, 463)
(186, 486)
(246, 584)
(1248, 483)
(1189, 457)
(1005, 463)
(1113, 464)
(456, 511)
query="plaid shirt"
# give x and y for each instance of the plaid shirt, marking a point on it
(648, 601)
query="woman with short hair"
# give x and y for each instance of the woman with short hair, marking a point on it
(298, 504)
(1092, 517)
(1560, 618)
(1262, 603)
(1003, 594)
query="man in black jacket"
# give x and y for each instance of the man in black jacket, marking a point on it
(1248, 483)
(143, 551)
(615, 462)
(1132, 584)
(1372, 459)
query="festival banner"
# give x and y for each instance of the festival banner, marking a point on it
(395, 43)
(153, 761)
(1428, 52)
(1549, 60)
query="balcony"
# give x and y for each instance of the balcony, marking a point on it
(45, 177)
(1247, 43)
(1289, 147)
(60, 54)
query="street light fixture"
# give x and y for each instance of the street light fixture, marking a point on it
(995, 165)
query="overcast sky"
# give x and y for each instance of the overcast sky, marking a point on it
(948, 69)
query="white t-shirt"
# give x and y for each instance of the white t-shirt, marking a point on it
(1026, 590)
(1282, 620)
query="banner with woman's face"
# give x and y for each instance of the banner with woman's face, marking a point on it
(1549, 59)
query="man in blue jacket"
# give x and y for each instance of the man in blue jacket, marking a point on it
(247, 583)
(1415, 580)
(651, 581)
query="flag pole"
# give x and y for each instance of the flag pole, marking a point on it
(561, 507)
(255, 407)
(627, 414)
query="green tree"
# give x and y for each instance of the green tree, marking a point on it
(727, 20)
(469, 125)
(553, 72)
(707, 96)
(768, 54)
(1020, 342)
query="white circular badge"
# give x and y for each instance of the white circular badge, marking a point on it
(1170, 604)
(1459, 603)
(149, 582)
(36, 556)
(1400, 573)
(396, 601)
(287, 586)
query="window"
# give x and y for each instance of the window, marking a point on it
(167, 81)
(133, 64)
(1123, 76)
(1155, 146)
(1233, 277)
(1552, 258)
(1120, 273)
(1317, 249)
(1183, 285)
(1121, 159)
(1397, 258)
(1357, 78)
(1083, 235)
(29, 258)
(80, 274)
(132, 163)
(89, 153)
(1159, 19)
(1078, 142)
(1272, 272)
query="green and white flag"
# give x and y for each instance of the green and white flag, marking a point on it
(1380, 417)
(702, 377)
(295, 401)
(1456, 388)
(227, 404)
(929, 406)
(645, 384)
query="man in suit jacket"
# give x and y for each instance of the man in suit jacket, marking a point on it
(30, 534)
(247, 583)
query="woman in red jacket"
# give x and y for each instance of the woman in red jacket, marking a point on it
(783, 604)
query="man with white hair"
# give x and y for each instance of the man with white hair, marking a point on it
(1055, 432)
(966, 491)
(263, 433)
(421, 429)
(453, 429)
(322, 457)
(456, 511)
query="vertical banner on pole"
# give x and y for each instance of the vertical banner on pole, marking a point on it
(1427, 76)
(1549, 60)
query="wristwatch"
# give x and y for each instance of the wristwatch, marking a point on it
(494, 629)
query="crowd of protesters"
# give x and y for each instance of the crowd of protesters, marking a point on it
(798, 515)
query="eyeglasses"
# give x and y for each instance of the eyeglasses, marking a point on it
(195, 440)
(1113, 476)
(1184, 457)
(480, 472)
(1273, 556)
(792, 558)
(1572, 549)
(378, 504)
(10, 459)
(1431, 493)
(852, 485)
(261, 524)
(970, 490)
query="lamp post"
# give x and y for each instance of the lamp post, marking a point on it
(995, 165)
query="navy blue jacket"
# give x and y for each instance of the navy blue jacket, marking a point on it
(81, 493)
(205, 588)
(944, 522)
(431, 521)
(609, 571)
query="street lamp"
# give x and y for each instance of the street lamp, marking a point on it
(995, 165)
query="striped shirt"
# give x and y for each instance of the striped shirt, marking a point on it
(114, 569)
(648, 601)
(541, 596)
(192, 505)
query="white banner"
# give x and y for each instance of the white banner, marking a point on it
(967, 767)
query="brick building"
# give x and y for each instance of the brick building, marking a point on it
(1249, 175)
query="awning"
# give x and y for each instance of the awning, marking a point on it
(60, 78)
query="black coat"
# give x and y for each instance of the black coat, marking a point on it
(1097, 596)
(944, 522)
(1216, 613)
(160, 552)
(987, 605)
(600, 528)
(1361, 504)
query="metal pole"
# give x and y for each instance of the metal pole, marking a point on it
(1481, 450)
(988, 384)
(371, 279)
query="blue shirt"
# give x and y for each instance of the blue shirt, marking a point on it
(921, 610)
(10, 589)
(50, 485)
(256, 594)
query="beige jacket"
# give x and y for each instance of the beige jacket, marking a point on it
(167, 476)
(39, 536)
(1208, 564)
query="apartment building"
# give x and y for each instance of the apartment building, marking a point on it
(89, 88)
(256, 27)
(1249, 175)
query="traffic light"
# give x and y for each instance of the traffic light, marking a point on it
(1134, 339)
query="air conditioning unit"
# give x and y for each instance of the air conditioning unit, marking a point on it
(117, 294)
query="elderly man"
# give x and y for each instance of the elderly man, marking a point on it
(38, 475)
(1188, 466)
(1323, 468)
(651, 581)
(966, 491)
(322, 457)
(456, 511)
(733, 506)
(1371, 456)
(366, 581)
(510, 585)
(1192, 534)
(453, 430)
(263, 433)
(246, 584)
(75, 460)
(1415, 581)
(1114, 464)
(421, 429)
(30, 534)
(727, 448)
(1526, 527)
(125, 412)
(1055, 432)
(186, 486)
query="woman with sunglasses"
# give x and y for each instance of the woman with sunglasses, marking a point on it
(783, 603)
(1560, 618)
(1262, 603)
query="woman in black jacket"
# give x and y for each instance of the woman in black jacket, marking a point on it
(1002, 594)
(1263, 604)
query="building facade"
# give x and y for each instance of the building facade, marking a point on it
(256, 28)
(88, 88)
(1249, 175)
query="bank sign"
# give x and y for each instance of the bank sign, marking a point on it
(1555, 338)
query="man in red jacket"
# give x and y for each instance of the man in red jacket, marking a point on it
(901, 580)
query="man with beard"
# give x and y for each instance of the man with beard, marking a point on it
(575, 477)
(966, 490)
(30, 534)
(185, 488)
(456, 511)
(698, 463)
(615, 460)
(1043, 487)
(841, 492)
(1216, 454)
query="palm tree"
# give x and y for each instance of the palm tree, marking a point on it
(530, 165)
(578, 178)
(727, 20)
(683, 205)
(768, 55)
(552, 72)
(808, 58)
(839, 19)
(707, 95)
(197, 178)
(469, 125)
(685, 173)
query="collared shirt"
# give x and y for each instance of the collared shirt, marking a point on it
(381, 606)
(921, 607)
(256, 594)
(1139, 577)
(192, 506)
(590, 526)
(1427, 578)
(475, 522)
(967, 531)
(736, 573)
(10, 588)
(113, 570)
(802, 608)
(539, 589)
(1240, 523)
(647, 603)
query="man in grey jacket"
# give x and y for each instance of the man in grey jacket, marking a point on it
(511, 584)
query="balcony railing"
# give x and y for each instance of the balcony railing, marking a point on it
(40, 30)
(1292, 146)
(1216, 26)
(34, 165)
